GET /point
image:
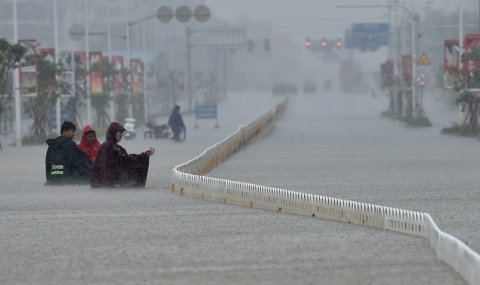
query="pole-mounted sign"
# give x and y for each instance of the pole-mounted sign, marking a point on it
(422, 79)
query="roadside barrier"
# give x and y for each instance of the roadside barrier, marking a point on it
(189, 180)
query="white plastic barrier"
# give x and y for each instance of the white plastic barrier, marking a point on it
(188, 179)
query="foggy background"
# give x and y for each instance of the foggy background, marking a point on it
(225, 64)
(332, 143)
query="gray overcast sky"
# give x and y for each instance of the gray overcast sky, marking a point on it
(306, 17)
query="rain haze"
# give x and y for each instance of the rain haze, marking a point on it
(352, 129)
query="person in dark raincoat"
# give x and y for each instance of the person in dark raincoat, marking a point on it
(66, 162)
(175, 122)
(114, 167)
(89, 142)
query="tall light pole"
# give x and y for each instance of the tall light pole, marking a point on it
(16, 83)
(109, 31)
(130, 110)
(56, 56)
(145, 91)
(87, 66)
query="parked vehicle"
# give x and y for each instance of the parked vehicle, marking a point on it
(291, 88)
(156, 131)
(129, 126)
(309, 86)
(284, 89)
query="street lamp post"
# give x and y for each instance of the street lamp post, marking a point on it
(56, 56)
(16, 83)
(130, 108)
(109, 31)
(87, 67)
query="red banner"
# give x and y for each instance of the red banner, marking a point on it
(136, 75)
(48, 54)
(451, 56)
(96, 75)
(451, 62)
(119, 81)
(470, 42)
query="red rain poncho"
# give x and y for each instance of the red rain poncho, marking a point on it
(92, 149)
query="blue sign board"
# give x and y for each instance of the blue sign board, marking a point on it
(65, 115)
(367, 36)
(206, 111)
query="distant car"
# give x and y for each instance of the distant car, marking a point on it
(278, 89)
(291, 89)
(284, 89)
(309, 87)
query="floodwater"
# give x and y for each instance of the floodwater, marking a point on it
(331, 144)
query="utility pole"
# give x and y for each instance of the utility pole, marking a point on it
(16, 83)
(56, 55)
(189, 67)
(87, 67)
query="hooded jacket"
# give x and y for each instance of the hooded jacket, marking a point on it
(175, 120)
(66, 163)
(114, 167)
(90, 149)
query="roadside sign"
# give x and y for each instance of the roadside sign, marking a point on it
(367, 36)
(165, 14)
(206, 112)
(423, 60)
(76, 32)
(183, 14)
(422, 79)
(201, 13)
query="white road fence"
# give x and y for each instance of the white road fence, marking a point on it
(189, 180)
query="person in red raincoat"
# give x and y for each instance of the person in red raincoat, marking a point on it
(89, 142)
(114, 167)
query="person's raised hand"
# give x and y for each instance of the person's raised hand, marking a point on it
(151, 151)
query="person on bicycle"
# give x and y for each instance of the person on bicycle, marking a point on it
(176, 123)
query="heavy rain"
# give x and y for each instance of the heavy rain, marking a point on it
(338, 142)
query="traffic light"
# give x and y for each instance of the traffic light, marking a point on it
(250, 45)
(266, 44)
(324, 43)
(339, 43)
(308, 43)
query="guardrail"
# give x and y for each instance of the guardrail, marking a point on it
(188, 179)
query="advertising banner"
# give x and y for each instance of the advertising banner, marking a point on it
(96, 75)
(80, 58)
(67, 83)
(136, 75)
(48, 54)
(80, 55)
(66, 58)
(451, 63)
(119, 80)
(28, 81)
